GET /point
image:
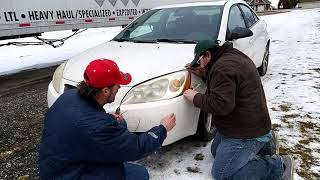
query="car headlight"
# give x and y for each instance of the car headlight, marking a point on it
(160, 88)
(57, 77)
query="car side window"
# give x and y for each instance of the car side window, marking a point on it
(251, 19)
(235, 19)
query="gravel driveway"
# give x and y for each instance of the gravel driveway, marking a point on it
(21, 116)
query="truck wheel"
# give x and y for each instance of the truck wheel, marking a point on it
(264, 66)
(205, 130)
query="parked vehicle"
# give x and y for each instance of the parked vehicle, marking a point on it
(155, 48)
(33, 17)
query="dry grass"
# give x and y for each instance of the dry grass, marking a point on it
(274, 109)
(301, 151)
(270, 12)
(307, 160)
(276, 127)
(291, 116)
(285, 107)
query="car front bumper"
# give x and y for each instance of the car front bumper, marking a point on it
(142, 117)
(52, 95)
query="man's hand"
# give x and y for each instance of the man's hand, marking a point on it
(189, 94)
(169, 121)
(199, 71)
(118, 117)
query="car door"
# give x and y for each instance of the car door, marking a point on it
(257, 40)
(236, 19)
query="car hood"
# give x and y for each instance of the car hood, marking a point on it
(142, 60)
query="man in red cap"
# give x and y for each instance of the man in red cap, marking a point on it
(81, 141)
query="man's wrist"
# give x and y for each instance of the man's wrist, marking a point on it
(163, 128)
(197, 100)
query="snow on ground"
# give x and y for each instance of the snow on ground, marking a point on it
(292, 88)
(274, 3)
(178, 161)
(14, 59)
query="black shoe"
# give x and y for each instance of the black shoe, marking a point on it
(275, 139)
(288, 166)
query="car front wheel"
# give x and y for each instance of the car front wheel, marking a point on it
(205, 130)
(264, 66)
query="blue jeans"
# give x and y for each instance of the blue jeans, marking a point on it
(244, 159)
(136, 172)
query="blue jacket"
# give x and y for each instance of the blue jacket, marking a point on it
(81, 141)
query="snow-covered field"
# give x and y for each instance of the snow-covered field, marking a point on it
(292, 88)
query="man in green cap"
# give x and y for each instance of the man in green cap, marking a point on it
(244, 146)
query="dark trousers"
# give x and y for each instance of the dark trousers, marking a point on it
(136, 172)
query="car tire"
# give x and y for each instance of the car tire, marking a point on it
(205, 130)
(265, 62)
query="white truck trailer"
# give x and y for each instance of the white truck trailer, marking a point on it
(32, 17)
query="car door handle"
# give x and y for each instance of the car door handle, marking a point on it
(251, 40)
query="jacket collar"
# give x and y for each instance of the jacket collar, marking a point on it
(216, 56)
(93, 103)
(96, 105)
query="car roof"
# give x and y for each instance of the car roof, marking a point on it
(204, 3)
(219, 2)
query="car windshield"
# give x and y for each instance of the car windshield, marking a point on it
(174, 25)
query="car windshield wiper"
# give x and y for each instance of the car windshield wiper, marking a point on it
(122, 39)
(177, 41)
(144, 41)
(134, 40)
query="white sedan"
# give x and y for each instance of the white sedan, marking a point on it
(155, 48)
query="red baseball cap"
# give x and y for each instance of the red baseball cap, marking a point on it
(102, 73)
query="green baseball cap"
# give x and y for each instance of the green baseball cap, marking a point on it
(202, 47)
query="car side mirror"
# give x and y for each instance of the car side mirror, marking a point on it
(239, 32)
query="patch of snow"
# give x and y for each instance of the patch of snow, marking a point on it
(14, 59)
(171, 162)
(274, 3)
